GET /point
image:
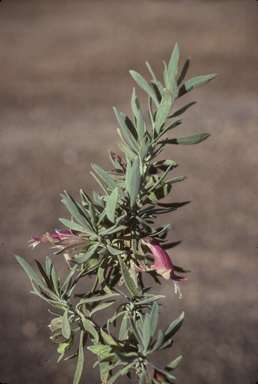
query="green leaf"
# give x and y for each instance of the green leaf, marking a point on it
(137, 334)
(128, 280)
(145, 86)
(133, 180)
(114, 251)
(146, 333)
(154, 319)
(165, 73)
(48, 267)
(108, 179)
(195, 82)
(188, 140)
(33, 276)
(163, 165)
(155, 82)
(115, 228)
(123, 371)
(145, 224)
(127, 150)
(99, 349)
(138, 117)
(102, 306)
(173, 63)
(87, 255)
(108, 339)
(97, 298)
(92, 215)
(111, 205)
(151, 299)
(163, 110)
(68, 280)
(127, 357)
(144, 148)
(124, 327)
(159, 183)
(54, 279)
(77, 212)
(174, 364)
(89, 327)
(122, 119)
(44, 275)
(74, 226)
(174, 327)
(104, 370)
(135, 104)
(158, 343)
(66, 328)
(176, 179)
(80, 362)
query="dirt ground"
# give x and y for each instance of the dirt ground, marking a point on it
(63, 66)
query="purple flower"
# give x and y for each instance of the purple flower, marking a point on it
(66, 241)
(52, 238)
(162, 264)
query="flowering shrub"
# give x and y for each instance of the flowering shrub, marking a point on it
(112, 239)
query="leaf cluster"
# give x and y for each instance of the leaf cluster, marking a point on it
(105, 240)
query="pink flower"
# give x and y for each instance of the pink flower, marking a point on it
(66, 241)
(53, 238)
(162, 264)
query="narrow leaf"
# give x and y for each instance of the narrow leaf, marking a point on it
(163, 110)
(79, 368)
(108, 179)
(124, 327)
(111, 205)
(87, 255)
(133, 180)
(127, 150)
(154, 319)
(97, 298)
(144, 85)
(174, 327)
(174, 364)
(32, 275)
(196, 82)
(158, 343)
(102, 306)
(173, 63)
(121, 118)
(66, 328)
(188, 140)
(74, 226)
(127, 278)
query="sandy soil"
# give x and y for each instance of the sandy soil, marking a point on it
(63, 65)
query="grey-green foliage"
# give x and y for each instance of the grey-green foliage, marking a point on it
(106, 241)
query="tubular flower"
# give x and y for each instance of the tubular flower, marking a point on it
(53, 238)
(66, 241)
(162, 264)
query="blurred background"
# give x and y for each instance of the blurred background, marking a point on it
(63, 66)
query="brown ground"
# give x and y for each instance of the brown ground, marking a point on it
(64, 64)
